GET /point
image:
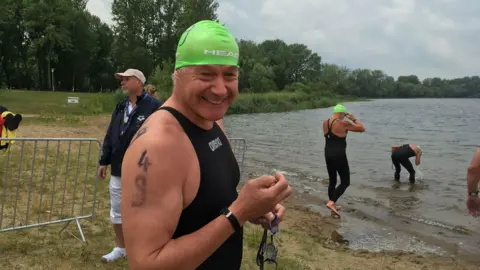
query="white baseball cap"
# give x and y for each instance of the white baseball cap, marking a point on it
(131, 73)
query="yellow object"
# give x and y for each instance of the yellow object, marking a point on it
(7, 133)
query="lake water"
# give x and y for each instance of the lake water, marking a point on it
(380, 214)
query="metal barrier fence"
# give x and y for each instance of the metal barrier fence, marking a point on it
(46, 181)
(54, 180)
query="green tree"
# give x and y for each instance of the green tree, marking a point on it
(261, 79)
(162, 77)
(39, 36)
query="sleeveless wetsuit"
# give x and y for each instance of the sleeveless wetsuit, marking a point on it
(337, 162)
(219, 177)
(401, 156)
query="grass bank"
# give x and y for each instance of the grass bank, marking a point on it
(282, 102)
(53, 104)
(50, 105)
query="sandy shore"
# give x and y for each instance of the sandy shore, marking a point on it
(318, 235)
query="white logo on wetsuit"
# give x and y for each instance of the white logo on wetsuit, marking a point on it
(215, 143)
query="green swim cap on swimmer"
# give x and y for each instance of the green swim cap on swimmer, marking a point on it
(206, 43)
(339, 108)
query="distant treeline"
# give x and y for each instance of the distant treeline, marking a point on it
(59, 44)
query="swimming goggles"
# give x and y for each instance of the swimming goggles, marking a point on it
(267, 252)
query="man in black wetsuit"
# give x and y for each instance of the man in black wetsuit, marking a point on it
(180, 206)
(335, 130)
(401, 155)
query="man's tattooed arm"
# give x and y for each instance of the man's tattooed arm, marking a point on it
(141, 181)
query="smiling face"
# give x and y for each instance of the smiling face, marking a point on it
(207, 91)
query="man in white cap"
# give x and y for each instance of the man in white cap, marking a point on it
(127, 118)
(132, 82)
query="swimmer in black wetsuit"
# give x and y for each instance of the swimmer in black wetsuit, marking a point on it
(335, 131)
(401, 155)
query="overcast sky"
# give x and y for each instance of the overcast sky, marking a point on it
(424, 37)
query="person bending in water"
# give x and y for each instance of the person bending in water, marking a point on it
(335, 130)
(401, 155)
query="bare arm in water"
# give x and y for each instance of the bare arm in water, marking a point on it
(156, 175)
(355, 125)
(418, 157)
(473, 173)
(473, 177)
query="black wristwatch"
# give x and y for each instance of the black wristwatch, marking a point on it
(475, 193)
(233, 220)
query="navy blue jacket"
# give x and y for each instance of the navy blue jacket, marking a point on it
(116, 142)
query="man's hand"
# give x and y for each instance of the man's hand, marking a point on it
(262, 221)
(279, 211)
(259, 196)
(265, 220)
(102, 171)
(473, 205)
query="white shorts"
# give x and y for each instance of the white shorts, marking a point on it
(115, 189)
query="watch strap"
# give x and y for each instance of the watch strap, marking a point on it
(475, 193)
(232, 219)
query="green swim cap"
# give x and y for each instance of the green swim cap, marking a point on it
(206, 43)
(339, 108)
